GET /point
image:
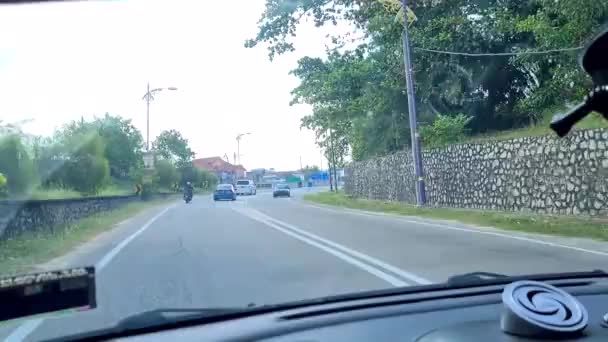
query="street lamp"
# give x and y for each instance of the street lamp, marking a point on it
(238, 145)
(148, 97)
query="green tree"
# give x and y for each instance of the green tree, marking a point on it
(207, 180)
(171, 145)
(16, 165)
(166, 173)
(358, 87)
(3, 189)
(445, 130)
(123, 142)
(87, 170)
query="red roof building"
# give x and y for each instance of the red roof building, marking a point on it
(225, 171)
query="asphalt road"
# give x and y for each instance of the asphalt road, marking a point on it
(263, 250)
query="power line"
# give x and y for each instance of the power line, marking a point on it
(541, 52)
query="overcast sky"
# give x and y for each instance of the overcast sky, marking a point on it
(63, 61)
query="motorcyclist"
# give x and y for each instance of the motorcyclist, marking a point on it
(188, 189)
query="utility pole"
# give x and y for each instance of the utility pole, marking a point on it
(411, 102)
(332, 168)
(238, 145)
(148, 95)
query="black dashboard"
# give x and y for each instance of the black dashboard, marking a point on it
(465, 314)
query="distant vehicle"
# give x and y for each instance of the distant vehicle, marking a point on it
(245, 187)
(224, 192)
(281, 190)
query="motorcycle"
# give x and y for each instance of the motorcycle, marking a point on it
(188, 196)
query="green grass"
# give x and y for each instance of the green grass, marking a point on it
(60, 193)
(592, 121)
(549, 225)
(23, 253)
(42, 194)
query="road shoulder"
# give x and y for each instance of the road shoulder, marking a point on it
(582, 244)
(92, 251)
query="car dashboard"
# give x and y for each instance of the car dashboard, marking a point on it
(464, 314)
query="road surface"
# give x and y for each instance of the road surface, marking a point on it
(263, 250)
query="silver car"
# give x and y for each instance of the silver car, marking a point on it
(281, 190)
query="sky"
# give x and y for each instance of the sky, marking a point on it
(63, 61)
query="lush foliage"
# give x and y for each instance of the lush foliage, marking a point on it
(123, 142)
(3, 189)
(172, 146)
(86, 170)
(445, 130)
(101, 156)
(167, 175)
(357, 91)
(15, 164)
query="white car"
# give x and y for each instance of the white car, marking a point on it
(245, 187)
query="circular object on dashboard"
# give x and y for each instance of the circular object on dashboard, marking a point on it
(537, 309)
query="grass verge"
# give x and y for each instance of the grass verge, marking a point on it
(592, 121)
(549, 225)
(22, 254)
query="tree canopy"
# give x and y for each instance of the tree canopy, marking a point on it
(469, 57)
(88, 156)
(173, 146)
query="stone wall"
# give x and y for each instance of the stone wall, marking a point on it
(541, 174)
(17, 217)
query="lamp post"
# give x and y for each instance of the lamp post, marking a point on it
(149, 96)
(238, 145)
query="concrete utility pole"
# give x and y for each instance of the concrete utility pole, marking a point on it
(411, 102)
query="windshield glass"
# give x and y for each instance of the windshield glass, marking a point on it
(120, 119)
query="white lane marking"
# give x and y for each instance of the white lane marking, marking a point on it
(112, 253)
(28, 327)
(377, 272)
(443, 226)
(408, 276)
(371, 260)
(24, 330)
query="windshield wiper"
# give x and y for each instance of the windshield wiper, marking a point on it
(473, 278)
(170, 315)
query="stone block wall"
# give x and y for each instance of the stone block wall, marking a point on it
(17, 217)
(539, 174)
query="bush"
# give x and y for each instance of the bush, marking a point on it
(445, 130)
(87, 174)
(16, 165)
(87, 171)
(208, 180)
(149, 189)
(3, 189)
(166, 174)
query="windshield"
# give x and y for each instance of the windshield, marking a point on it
(109, 108)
